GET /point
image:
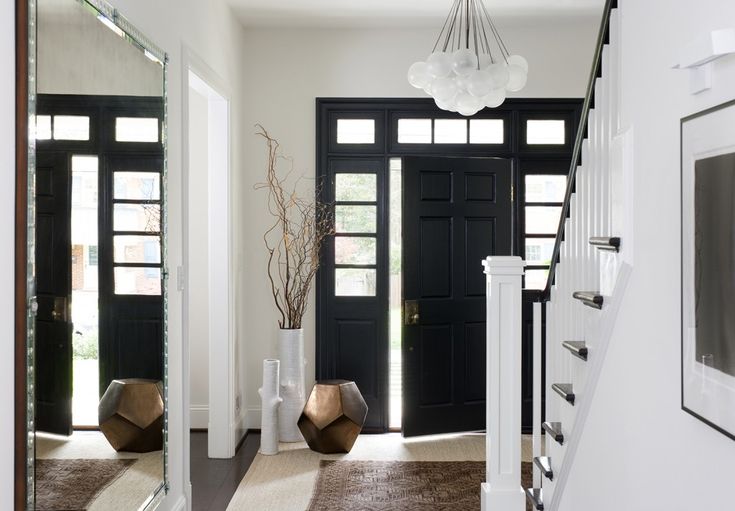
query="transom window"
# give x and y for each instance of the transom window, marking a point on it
(451, 131)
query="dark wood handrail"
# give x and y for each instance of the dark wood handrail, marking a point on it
(595, 73)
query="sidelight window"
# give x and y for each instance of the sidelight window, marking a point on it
(544, 196)
(136, 226)
(355, 240)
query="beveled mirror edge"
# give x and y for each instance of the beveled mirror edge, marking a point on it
(25, 41)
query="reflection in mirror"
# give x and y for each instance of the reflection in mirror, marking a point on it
(97, 391)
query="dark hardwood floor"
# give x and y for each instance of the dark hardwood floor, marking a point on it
(215, 481)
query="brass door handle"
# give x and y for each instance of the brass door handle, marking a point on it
(411, 312)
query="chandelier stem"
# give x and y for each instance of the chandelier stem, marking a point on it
(446, 22)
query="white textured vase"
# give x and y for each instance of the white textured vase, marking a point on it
(270, 399)
(293, 387)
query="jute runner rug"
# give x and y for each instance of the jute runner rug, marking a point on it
(72, 484)
(401, 485)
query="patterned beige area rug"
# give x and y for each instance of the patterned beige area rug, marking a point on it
(400, 485)
(72, 484)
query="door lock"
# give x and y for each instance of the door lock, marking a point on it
(411, 312)
(60, 310)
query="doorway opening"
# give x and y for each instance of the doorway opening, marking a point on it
(363, 149)
(85, 288)
(98, 251)
(213, 399)
(396, 293)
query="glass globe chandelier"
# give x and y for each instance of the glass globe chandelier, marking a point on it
(464, 73)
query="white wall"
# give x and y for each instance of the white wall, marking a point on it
(7, 215)
(288, 69)
(79, 55)
(639, 450)
(208, 29)
(198, 260)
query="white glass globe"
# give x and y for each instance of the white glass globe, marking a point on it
(485, 60)
(449, 106)
(517, 60)
(427, 88)
(500, 74)
(468, 112)
(467, 104)
(462, 82)
(517, 78)
(480, 83)
(439, 64)
(418, 75)
(444, 89)
(494, 98)
(464, 61)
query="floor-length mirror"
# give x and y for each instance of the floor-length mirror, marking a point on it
(98, 360)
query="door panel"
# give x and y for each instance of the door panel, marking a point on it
(53, 340)
(456, 212)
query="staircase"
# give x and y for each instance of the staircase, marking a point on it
(579, 312)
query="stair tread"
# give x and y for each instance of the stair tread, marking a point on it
(544, 464)
(536, 496)
(565, 390)
(577, 348)
(554, 429)
(611, 244)
(590, 298)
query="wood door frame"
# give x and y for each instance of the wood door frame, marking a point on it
(386, 112)
(21, 252)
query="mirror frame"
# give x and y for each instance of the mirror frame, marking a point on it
(21, 252)
(25, 26)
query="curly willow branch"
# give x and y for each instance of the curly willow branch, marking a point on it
(295, 238)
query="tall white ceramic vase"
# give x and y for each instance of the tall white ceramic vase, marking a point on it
(293, 391)
(270, 402)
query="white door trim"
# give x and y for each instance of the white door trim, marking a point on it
(223, 422)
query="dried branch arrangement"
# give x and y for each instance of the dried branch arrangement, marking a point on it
(295, 238)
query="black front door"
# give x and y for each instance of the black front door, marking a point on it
(456, 212)
(53, 340)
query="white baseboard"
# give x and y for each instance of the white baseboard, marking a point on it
(252, 418)
(240, 427)
(187, 495)
(199, 417)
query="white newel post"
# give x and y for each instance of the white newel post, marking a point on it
(503, 491)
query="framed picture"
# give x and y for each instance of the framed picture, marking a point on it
(708, 267)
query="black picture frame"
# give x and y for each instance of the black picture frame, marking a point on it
(711, 147)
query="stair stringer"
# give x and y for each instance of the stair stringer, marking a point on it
(596, 362)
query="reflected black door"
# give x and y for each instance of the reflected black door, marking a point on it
(131, 299)
(53, 339)
(456, 212)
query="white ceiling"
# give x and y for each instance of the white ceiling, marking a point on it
(393, 13)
